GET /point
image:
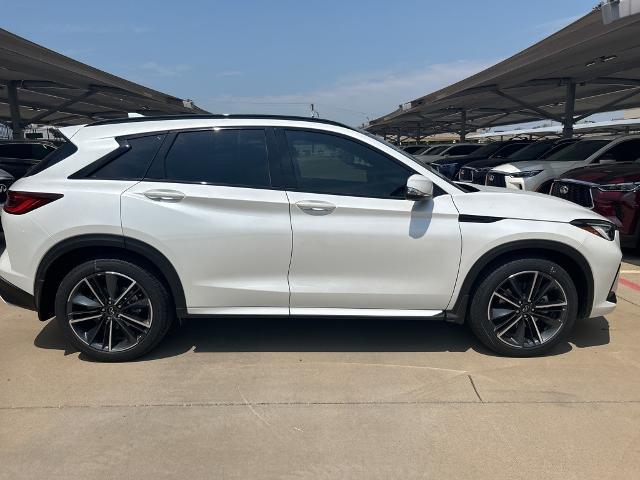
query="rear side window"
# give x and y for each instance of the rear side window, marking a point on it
(65, 150)
(234, 157)
(133, 163)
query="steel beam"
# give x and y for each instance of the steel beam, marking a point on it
(569, 110)
(528, 106)
(463, 125)
(14, 108)
(62, 106)
(612, 103)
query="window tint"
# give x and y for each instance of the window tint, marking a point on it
(222, 157)
(509, 149)
(556, 148)
(462, 150)
(487, 150)
(533, 151)
(331, 164)
(623, 152)
(62, 152)
(580, 150)
(134, 162)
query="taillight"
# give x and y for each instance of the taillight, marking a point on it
(19, 203)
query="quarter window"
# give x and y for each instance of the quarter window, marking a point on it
(325, 163)
(236, 157)
(134, 162)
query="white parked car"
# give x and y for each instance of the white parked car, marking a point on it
(140, 221)
(538, 175)
(447, 151)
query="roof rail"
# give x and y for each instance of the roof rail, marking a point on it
(116, 121)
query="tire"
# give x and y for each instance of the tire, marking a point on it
(534, 327)
(111, 331)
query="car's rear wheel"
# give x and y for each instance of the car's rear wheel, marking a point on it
(524, 307)
(112, 309)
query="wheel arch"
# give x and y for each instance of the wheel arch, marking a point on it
(65, 255)
(564, 255)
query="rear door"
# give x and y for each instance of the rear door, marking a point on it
(209, 204)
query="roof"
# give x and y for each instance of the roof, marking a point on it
(602, 61)
(210, 116)
(72, 92)
(620, 126)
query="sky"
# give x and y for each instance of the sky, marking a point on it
(354, 59)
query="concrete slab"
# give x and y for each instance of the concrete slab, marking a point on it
(284, 398)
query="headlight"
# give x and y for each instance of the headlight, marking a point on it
(601, 228)
(620, 187)
(525, 174)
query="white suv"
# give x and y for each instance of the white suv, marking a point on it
(538, 175)
(136, 222)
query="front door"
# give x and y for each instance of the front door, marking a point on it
(359, 247)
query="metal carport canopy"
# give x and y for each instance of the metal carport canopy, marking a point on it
(598, 65)
(38, 85)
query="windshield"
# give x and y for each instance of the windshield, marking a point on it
(437, 150)
(533, 151)
(578, 151)
(486, 150)
(510, 148)
(413, 150)
(405, 154)
(556, 149)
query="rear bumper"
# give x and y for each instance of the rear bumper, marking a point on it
(15, 296)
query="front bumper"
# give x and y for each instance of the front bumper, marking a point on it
(15, 296)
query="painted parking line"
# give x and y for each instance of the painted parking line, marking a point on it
(629, 271)
(629, 283)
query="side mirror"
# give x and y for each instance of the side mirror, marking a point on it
(419, 187)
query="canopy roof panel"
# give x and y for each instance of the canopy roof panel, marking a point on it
(602, 63)
(58, 90)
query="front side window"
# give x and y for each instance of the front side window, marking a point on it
(234, 157)
(325, 163)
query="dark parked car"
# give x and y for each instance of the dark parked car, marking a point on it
(6, 179)
(450, 166)
(476, 171)
(16, 157)
(611, 190)
(415, 149)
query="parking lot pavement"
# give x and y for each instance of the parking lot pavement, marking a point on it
(283, 398)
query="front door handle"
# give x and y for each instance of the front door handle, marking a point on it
(316, 207)
(162, 195)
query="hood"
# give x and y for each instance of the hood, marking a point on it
(494, 162)
(518, 204)
(625, 172)
(460, 159)
(532, 165)
(428, 158)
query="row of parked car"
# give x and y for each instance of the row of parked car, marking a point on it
(600, 173)
(17, 157)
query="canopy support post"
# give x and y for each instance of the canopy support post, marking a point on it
(14, 107)
(569, 109)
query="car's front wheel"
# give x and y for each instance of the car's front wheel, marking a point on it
(524, 307)
(112, 309)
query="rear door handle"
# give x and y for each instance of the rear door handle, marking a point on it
(162, 195)
(315, 207)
